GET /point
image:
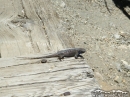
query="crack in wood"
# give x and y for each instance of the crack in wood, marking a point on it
(26, 84)
(28, 63)
(48, 72)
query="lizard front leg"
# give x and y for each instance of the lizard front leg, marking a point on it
(60, 57)
(76, 55)
(81, 56)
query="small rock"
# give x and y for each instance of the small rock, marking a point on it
(124, 81)
(48, 96)
(117, 79)
(128, 74)
(112, 25)
(123, 34)
(97, 74)
(103, 37)
(62, 4)
(90, 75)
(123, 47)
(66, 93)
(117, 36)
(43, 61)
(118, 66)
(124, 62)
(125, 66)
(85, 22)
(93, 69)
(85, 43)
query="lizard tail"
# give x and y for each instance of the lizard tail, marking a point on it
(48, 56)
(30, 57)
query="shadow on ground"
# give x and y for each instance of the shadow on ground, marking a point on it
(122, 4)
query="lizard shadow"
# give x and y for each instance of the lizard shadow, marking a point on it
(122, 4)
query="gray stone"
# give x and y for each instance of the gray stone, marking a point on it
(125, 65)
(117, 36)
(118, 67)
(117, 79)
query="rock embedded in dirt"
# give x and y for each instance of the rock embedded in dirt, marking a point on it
(125, 66)
(117, 36)
(128, 74)
(118, 67)
(97, 74)
(118, 79)
(66, 93)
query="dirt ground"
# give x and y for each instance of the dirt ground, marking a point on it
(106, 37)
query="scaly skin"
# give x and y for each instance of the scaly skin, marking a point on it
(71, 52)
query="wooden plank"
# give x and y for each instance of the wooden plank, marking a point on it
(37, 68)
(42, 79)
(55, 89)
(36, 71)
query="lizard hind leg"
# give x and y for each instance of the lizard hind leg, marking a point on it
(61, 57)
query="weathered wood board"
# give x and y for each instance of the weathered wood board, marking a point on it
(30, 78)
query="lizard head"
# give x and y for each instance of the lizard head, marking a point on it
(81, 50)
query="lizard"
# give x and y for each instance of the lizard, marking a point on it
(70, 52)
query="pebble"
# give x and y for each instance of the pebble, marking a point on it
(117, 79)
(117, 36)
(124, 81)
(43, 61)
(62, 4)
(128, 74)
(123, 34)
(90, 75)
(99, 75)
(66, 93)
(126, 65)
(118, 67)
(124, 62)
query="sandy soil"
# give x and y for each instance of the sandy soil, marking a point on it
(106, 37)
